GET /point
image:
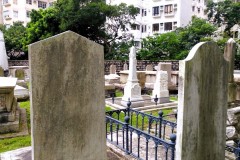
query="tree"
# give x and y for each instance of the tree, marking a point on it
(224, 13)
(44, 23)
(14, 40)
(176, 44)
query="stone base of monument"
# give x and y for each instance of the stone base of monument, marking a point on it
(9, 123)
(17, 128)
(162, 100)
(134, 103)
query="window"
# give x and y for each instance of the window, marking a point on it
(135, 27)
(168, 9)
(193, 8)
(42, 4)
(198, 10)
(6, 13)
(28, 1)
(28, 13)
(144, 12)
(15, 14)
(168, 26)
(155, 27)
(136, 43)
(5, 1)
(155, 11)
(144, 28)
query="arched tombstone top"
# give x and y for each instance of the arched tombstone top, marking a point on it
(202, 104)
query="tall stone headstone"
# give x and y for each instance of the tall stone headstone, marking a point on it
(132, 89)
(161, 87)
(229, 54)
(125, 66)
(113, 69)
(202, 104)
(3, 53)
(67, 98)
(166, 67)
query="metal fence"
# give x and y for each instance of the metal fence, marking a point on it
(141, 135)
(147, 136)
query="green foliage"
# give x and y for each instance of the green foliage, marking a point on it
(14, 143)
(14, 40)
(224, 13)
(176, 44)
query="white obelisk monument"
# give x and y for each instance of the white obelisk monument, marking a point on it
(3, 53)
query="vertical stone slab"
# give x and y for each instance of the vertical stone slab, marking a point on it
(3, 53)
(113, 69)
(202, 104)
(229, 55)
(20, 74)
(149, 67)
(166, 67)
(125, 66)
(161, 87)
(67, 98)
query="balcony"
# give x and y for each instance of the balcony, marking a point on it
(7, 17)
(156, 0)
(156, 15)
(6, 3)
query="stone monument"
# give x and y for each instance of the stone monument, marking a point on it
(166, 67)
(3, 53)
(149, 67)
(161, 87)
(9, 113)
(229, 55)
(67, 98)
(202, 104)
(132, 90)
(125, 66)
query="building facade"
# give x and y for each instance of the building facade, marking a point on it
(161, 16)
(19, 10)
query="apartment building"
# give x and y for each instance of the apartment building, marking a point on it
(161, 16)
(19, 10)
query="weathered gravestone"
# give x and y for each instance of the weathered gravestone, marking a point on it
(161, 87)
(125, 66)
(20, 74)
(149, 67)
(166, 67)
(113, 69)
(202, 105)
(229, 54)
(67, 99)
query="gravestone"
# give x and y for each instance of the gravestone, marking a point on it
(202, 104)
(67, 98)
(229, 54)
(113, 69)
(3, 53)
(1, 72)
(9, 113)
(161, 87)
(166, 67)
(19, 73)
(125, 66)
(149, 67)
(132, 89)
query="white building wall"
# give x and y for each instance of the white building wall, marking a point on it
(171, 14)
(19, 10)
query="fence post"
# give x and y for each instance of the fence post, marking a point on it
(128, 106)
(173, 140)
(156, 99)
(160, 114)
(126, 119)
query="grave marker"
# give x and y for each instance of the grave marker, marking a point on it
(67, 98)
(202, 105)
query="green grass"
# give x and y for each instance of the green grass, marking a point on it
(18, 142)
(14, 143)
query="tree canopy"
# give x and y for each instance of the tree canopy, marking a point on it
(224, 13)
(176, 44)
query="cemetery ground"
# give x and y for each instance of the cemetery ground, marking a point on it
(19, 142)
